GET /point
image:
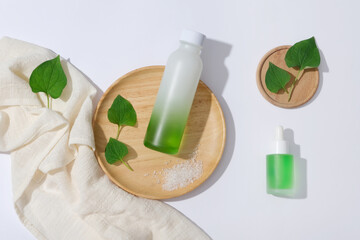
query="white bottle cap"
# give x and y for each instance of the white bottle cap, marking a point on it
(281, 146)
(192, 37)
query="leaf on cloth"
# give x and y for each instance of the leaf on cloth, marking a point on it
(49, 77)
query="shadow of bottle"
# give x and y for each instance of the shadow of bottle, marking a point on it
(215, 76)
(299, 190)
(199, 114)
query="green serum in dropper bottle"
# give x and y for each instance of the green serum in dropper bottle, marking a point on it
(280, 167)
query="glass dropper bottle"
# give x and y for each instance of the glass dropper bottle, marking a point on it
(280, 167)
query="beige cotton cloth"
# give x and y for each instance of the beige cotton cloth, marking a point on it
(59, 190)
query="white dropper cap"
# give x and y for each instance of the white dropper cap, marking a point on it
(281, 146)
(192, 37)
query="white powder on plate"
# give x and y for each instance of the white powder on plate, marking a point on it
(182, 174)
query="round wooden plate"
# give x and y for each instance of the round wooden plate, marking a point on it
(204, 136)
(304, 89)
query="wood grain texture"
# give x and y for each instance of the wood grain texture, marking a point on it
(205, 132)
(304, 89)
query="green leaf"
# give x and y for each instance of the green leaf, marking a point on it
(276, 78)
(122, 112)
(115, 151)
(48, 77)
(303, 54)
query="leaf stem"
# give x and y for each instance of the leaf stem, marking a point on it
(48, 100)
(127, 165)
(293, 85)
(117, 136)
(118, 132)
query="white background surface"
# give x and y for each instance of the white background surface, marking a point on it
(106, 39)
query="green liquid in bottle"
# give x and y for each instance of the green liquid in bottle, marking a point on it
(164, 134)
(175, 96)
(280, 173)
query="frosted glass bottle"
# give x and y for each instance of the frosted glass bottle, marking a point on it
(175, 95)
(280, 168)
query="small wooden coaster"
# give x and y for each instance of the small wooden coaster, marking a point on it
(304, 89)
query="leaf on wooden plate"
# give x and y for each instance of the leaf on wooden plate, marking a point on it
(122, 112)
(115, 151)
(303, 54)
(276, 78)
